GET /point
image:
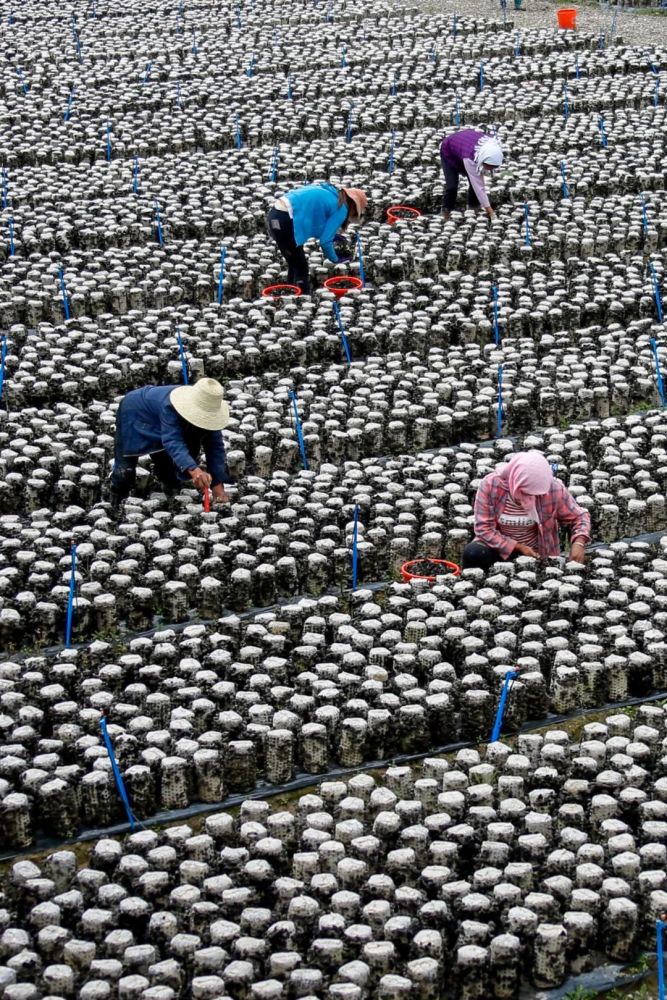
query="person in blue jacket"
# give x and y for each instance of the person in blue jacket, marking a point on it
(316, 211)
(172, 424)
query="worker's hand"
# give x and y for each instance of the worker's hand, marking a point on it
(489, 211)
(219, 494)
(525, 550)
(200, 478)
(578, 552)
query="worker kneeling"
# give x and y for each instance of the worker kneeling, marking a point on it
(172, 424)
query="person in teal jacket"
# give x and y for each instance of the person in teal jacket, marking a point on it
(317, 211)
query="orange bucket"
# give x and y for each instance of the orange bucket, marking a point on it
(342, 284)
(427, 569)
(281, 291)
(567, 18)
(403, 212)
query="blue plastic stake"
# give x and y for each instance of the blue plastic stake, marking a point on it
(237, 11)
(563, 173)
(355, 547)
(5, 188)
(341, 328)
(274, 164)
(496, 326)
(576, 66)
(147, 72)
(184, 360)
(10, 17)
(12, 248)
(221, 276)
(68, 110)
(517, 44)
(526, 216)
(392, 89)
(658, 373)
(63, 292)
(193, 47)
(656, 291)
(239, 140)
(93, 10)
(601, 40)
(108, 149)
(434, 53)
(503, 7)
(500, 413)
(329, 12)
(603, 134)
(481, 76)
(70, 600)
(158, 224)
(656, 92)
(454, 26)
(299, 431)
(500, 714)
(179, 102)
(290, 94)
(120, 785)
(392, 145)
(3, 361)
(360, 258)
(644, 213)
(660, 956)
(135, 175)
(554, 468)
(24, 86)
(343, 56)
(566, 103)
(251, 67)
(457, 112)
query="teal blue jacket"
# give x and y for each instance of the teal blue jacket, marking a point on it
(317, 215)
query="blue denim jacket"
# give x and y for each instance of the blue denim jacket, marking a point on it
(147, 422)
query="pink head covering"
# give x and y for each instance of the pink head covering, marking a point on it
(528, 475)
(358, 198)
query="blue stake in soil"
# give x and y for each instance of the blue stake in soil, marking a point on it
(656, 291)
(392, 89)
(70, 599)
(24, 86)
(290, 95)
(500, 413)
(392, 144)
(481, 76)
(273, 176)
(644, 213)
(5, 188)
(603, 134)
(251, 67)
(526, 216)
(108, 146)
(341, 328)
(660, 956)
(63, 292)
(601, 40)
(503, 7)
(120, 785)
(517, 44)
(239, 140)
(179, 102)
(135, 175)
(563, 173)
(159, 233)
(193, 47)
(147, 72)
(566, 103)
(576, 66)
(454, 26)
(500, 714)
(299, 431)
(184, 360)
(221, 276)
(360, 258)
(496, 326)
(237, 11)
(457, 111)
(12, 248)
(658, 373)
(68, 110)
(343, 56)
(656, 93)
(3, 362)
(355, 547)
(434, 53)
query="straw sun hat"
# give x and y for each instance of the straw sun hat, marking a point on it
(201, 404)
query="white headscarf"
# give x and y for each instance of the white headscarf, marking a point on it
(488, 151)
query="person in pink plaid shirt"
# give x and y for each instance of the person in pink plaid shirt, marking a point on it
(518, 511)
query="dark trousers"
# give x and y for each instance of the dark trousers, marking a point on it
(477, 555)
(280, 228)
(452, 187)
(124, 472)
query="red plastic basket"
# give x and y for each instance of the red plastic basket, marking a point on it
(402, 212)
(342, 284)
(281, 291)
(417, 564)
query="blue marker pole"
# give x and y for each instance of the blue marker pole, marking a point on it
(454, 26)
(237, 11)
(341, 328)
(434, 53)
(656, 92)
(221, 276)
(392, 88)
(12, 248)
(63, 292)
(299, 431)
(576, 66)
(147, 72)
(658, 373)
(563, 173)
(251, 67)
(601, 40)
(503, 7)
(290, 94)
(120, 785)
(135, 175)
(360, 258)
(355, 547)
(158, 224)
(517, 44)
(526, 216)
(644, 213)
(24, 86)
(5, 188)
(566, 103)
(496, 326)
(179, 102)
(70, 600)
(481, 76)
(554, 468)
(656, 291)
(274, 164)
(660, 956)
(343, 56)
(108, 148)
(500, 714)
(457, 112)
(193, 47)
(239, 140)
(68, 111)
(603, 134)
(500, 414)
(3, 362)
(392, 145)
(184, 360)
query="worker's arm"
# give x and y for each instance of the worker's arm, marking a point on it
(477, 182)
(216, 461)
(576, 520)
(171, 432)
(331, 228)
(486, 524)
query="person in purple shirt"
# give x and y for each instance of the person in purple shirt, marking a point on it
(172, 424)
(472, 153)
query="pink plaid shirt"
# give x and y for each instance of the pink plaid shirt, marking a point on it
(556, 507)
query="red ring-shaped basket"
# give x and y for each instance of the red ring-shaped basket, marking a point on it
(407, 575)
(342, 284)
(279, 291)
(396, 213)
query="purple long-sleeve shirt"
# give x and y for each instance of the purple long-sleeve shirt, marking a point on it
(458, 151)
